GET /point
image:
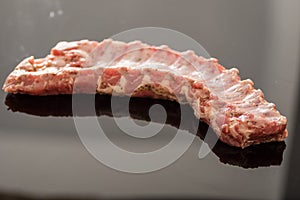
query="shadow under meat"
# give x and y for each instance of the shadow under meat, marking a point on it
(261, 155)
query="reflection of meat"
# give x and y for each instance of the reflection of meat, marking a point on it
(61, 105)
(253, 156)
(236, 111)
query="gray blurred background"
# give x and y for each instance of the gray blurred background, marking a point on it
(43, 156)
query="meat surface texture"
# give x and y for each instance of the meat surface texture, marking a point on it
(236, 111)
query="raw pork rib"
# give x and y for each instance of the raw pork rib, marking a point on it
(236, 111)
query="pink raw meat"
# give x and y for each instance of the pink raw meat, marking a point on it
(236, 111)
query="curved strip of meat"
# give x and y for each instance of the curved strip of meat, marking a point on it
(236, 111)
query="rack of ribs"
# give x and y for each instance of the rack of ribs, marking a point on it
(236, 111)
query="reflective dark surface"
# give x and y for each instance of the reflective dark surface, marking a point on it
(61, 106)
(41, 155)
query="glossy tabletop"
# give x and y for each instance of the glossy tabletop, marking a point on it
(42, 156)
